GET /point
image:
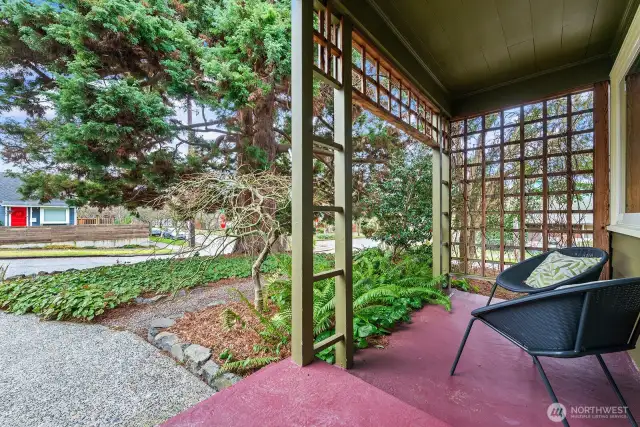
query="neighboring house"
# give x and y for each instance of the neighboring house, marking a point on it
(15, 212)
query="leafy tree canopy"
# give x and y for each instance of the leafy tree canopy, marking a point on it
(401, 204)
(96, 97)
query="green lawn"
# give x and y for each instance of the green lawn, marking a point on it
(332, 236)
(175, 242)
(79, 252)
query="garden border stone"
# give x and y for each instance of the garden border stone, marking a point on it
(196, 358)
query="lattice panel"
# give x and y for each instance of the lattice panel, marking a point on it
(326, 38)
(390, 93)
(522, 183)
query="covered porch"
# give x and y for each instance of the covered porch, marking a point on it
(524, 106)
(408, 383)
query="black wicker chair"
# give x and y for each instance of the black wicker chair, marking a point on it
(588, 319)
(513, 277)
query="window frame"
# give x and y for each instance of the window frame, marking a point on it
(621, 221)
(42, 211)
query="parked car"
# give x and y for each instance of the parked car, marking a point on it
(156, 232)
(172, 233)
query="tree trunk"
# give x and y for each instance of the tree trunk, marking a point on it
(191, 233)
(257, 265)
(257, 123)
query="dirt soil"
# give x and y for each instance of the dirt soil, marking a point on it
(208, 328)
(137, 317)
(484, 288)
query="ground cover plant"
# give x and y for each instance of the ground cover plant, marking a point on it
(167, 241)
(88, 293)
(386, 291)
(81, 252)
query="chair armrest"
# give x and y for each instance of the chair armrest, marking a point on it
(549, 321)
(546, 321)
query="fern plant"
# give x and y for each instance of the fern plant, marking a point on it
(384, 293)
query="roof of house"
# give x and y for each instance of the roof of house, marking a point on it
(10, 196)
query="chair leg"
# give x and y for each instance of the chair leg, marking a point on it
(493, 291)
(617, 390)
(547, 384)
(464, 341)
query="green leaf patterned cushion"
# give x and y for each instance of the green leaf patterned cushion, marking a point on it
(557, 268)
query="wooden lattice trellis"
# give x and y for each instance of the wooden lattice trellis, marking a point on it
(522, 183)
(382, 89)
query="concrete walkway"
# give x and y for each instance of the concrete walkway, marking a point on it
(67, 374)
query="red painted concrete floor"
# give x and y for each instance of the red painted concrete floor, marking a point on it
(408, 384)
(496, 383)
(284, 394)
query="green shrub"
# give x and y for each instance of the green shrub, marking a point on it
(325, 236)
(88, 293)
(398, 209)
(385, 292)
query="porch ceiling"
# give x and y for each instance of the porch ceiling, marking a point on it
(468, 47)
(471, 45)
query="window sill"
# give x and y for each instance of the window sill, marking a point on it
(628, 230)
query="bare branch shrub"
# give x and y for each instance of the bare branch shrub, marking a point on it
(255, 204)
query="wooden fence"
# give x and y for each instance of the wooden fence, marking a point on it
(97, 221)
(71, 233)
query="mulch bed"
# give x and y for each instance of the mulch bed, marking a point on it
(484, 288)
(207, 328)
(137, 317)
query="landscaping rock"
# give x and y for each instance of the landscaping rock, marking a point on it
(214, 303)
(195, 357)
(223, 381)
(157, 325)
(165, 340)
(177, 351)
(140, 300)
(210, 371)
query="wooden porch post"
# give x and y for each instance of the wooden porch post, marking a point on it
(441, 206)
(343, 194)
(601, 170)
(302, 186)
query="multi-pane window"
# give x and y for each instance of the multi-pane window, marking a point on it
(522, 183)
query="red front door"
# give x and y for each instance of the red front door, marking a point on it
(18, 217)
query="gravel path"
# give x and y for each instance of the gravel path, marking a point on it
(66, 374)
(137, 318)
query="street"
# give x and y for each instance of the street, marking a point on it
(29, 266)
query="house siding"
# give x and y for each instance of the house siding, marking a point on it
(35, 213)
(624, 262)
(34, 216)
